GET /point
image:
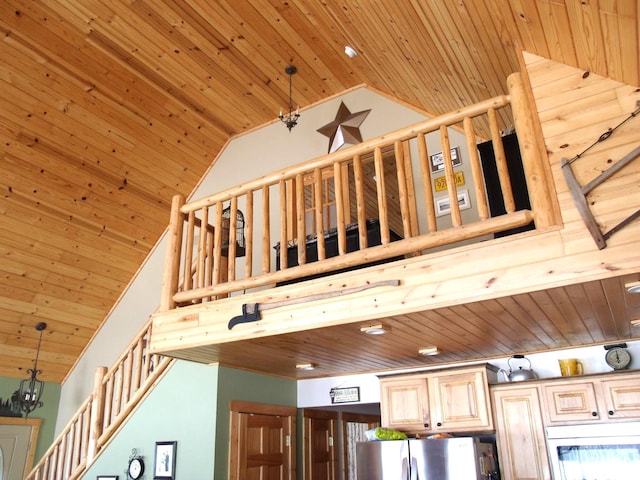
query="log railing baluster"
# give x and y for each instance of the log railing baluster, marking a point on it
(298, 192)
(501, 162)
(318, 212)
(403, 192)
(284, 238)
(340, 221)
(476, 169)
(361, 212)
(248, 242)
(456, 218)
(266, 234)
(425, 169)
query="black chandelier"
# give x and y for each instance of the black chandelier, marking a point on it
(27, 398)
(290, 120)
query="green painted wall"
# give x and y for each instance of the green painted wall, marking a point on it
(191, 406)
(48, 413)
(182, 408)
(246, 387)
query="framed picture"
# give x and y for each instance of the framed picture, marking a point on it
(164, 465)
(443, 206)
(107, 477)
(437, 160)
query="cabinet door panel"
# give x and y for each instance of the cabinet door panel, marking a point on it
(520, 434)
(622, 398)
(404, 404)
(459, 401)
(572, 402)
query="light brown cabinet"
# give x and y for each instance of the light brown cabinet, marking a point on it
(520, 433)
(570, 403)
(522, 411)
(454, 400)
(595, 399)
(404, 403)
(621, 397)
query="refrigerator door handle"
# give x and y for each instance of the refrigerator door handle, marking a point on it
(414, 469)
(405, 469)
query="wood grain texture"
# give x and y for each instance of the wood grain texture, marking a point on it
(109, 109)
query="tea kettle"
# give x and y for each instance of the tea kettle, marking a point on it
(521, 373)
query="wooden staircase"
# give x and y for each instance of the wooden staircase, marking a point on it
(116, 393)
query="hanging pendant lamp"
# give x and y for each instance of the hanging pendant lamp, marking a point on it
(291, 119)
(28, 397)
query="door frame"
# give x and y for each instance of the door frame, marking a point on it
(372, 421)
(308, 414)
(237, 407)
(33, 437)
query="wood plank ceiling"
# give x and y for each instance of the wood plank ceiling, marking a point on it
(108, 109)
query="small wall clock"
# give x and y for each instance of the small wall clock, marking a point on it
(135, 468)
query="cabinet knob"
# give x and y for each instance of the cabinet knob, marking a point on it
(426, 425)
(594, 414)
(611, 412)
(439, 424)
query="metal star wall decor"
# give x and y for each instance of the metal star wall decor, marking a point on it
(345, 128)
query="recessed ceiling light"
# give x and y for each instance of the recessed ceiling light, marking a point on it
(306, 366)
(632, 287)
(375, 329)
(350, 51)
(429, 351)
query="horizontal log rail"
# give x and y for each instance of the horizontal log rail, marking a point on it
(331, 192)
(115, 394)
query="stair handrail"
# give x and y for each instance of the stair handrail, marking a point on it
(116, 393)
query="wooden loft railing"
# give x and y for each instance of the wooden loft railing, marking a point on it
(115, 394)
(204, 247)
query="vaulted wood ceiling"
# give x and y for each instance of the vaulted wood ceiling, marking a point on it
(108, 109)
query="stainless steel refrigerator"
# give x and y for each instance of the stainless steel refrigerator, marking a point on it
(462, 458)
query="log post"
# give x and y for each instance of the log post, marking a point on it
(172, 261)
(535, 161)
(97, 414)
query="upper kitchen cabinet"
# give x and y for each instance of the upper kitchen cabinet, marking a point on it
(455, 400)
(589, 399)
(404, 403)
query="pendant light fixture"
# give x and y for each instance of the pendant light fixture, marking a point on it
(27, 398)
(291, 119)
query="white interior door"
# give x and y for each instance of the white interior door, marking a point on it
(17, 446)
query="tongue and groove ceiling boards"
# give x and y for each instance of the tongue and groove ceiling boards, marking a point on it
(108, 109)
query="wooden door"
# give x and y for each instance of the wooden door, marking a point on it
(262, 444)
(18, 438)
(459, 401)
(522, 450)
(320, 445)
